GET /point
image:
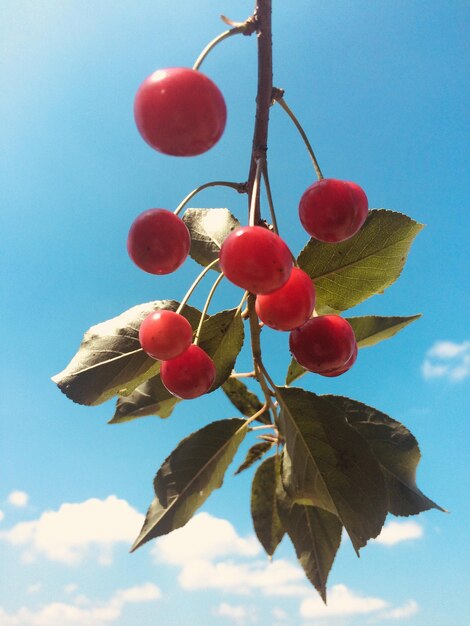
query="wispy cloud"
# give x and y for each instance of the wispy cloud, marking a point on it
(69, 534)
(18, 498)
(396, 532)
(447, 359)
(238, 614)
(402, 612)
(2, 516)
(98, 614)
(341, 601)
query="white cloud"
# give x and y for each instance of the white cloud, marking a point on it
(446, 359)
(279, 614)
(238, 614)
(61, 614)
(396, 532)
(77, 530)
(18, 498)
(70, 588)
(2, 516)
(279, 578)
(204, 537)
(34, 588)
(402, 612)
(341, 601)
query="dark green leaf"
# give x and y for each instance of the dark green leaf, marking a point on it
(254, 454)
(110, 360)
(326, 463)
(246, 402)
(369, 330)
(150, 398)
(349, 272)
(209, 228)
(189, 475)
(395, 449)
(266, 522)
(222, 337)
(315, 534)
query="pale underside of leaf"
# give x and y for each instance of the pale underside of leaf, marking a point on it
(208, 229)
(369, 330)
(326, 463)
(110, 360)
(351, 271)
(189, 475)
(150, 398)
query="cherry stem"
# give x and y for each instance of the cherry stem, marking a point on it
(255, 195)
(289, 112)
(262, 410)
(242, 302)
(195, 284)
(245, 28)
(264, 426)
(240, 187)
(269, 195)
(242, 375)
(206, 306)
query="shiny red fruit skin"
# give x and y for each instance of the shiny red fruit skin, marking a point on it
(190, 375)
(323, 344)
(165, 335)
(347, 366)
(290, 306)
(158, 241)
(180, 111)
(256, 259)
(333, 210)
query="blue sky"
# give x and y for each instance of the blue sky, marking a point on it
(381, 88)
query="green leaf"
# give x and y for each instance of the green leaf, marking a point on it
(395, 449)
(189, 475)
(315, 534)
(254, 454)
(110, 360)
(150, 398)
(349, 272)
(208, 228)
(326, 463)
(372, 329)
(244, 400)
(266, 522)
(369, 330)
(222, 338)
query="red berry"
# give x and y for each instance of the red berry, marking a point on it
(256, 259)
(290, 306)
(165, 335)
(158, 241)
(323, 343)
(190, 375)
(333, 210)
(347, 366)
(180, 111)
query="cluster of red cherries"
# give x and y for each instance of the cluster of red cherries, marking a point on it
(181, 112)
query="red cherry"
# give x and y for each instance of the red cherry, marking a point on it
(190, 375)
(347, 366)
(165, 335)
(256, 259)
(180, 111)
(323, 344)
(333, 210)
(290, 306)
(158, 241)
